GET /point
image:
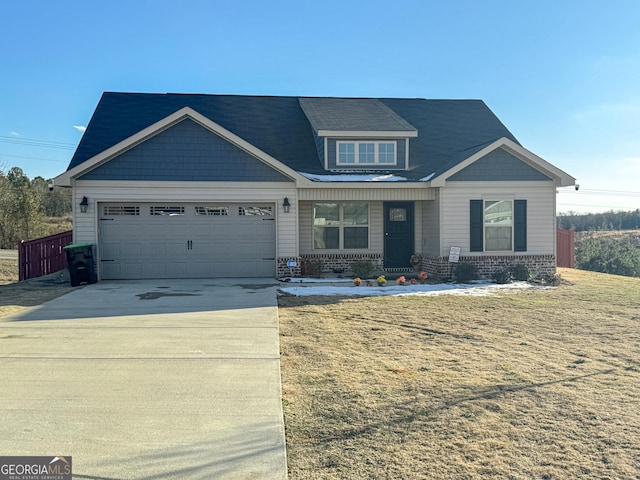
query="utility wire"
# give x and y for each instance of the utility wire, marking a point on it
(594, 206)
(32, 158)
(37, 143)
(611, 193)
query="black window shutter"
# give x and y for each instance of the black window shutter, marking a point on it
(476, 225)
(520, 225)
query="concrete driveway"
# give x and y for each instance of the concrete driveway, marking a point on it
(153, 379)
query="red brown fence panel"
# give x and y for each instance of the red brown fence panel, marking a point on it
(565, 248)
(43, 256)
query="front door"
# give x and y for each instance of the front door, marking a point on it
(398, 234)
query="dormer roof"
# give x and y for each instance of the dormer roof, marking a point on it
(355, 117)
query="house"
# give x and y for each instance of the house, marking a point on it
(181, 185)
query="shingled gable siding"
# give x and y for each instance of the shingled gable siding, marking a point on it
(498, 166)
(186, 152)
(400, 155)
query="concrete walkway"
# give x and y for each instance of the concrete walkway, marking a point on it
(153, 379)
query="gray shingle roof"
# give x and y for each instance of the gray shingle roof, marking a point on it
(448, 130)
(352, 114)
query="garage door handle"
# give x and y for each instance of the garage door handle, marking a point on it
(189, 244)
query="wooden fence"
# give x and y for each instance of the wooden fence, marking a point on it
(43, 256)
(565, 249)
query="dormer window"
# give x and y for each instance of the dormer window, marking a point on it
(366, 153)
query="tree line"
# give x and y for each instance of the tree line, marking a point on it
(583, 222)
(27, 205)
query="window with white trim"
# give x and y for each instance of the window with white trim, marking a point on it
(498, 225)
(340, 225)
(366, 153)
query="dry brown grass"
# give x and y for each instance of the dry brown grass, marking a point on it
(541, 384)
(8, 270)
(17, 296)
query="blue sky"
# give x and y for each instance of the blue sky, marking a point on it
(564, 76)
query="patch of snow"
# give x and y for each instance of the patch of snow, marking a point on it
(316, 280)
(477, 289)
(427, 178)
(345, 177)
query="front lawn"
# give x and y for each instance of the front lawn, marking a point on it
(535, 384)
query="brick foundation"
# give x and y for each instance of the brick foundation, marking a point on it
(284, 271)
(487, 265)
(327, 263)
(438, 267)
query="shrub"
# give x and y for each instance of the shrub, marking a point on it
(550, 279)
(502, 276)
(608, 255)
(520, 272)
(312, 268)
(465, 272)
(362, 268)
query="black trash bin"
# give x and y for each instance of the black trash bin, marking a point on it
(82, 266)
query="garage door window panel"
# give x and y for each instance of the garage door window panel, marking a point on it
(121, 210)
(167, 211)
(251, 210)
(215, 211)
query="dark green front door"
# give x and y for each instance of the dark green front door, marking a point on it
(398, 234)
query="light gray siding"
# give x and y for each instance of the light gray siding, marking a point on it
(431, 227)
(186, 152)
(498, 165)
(540, 214)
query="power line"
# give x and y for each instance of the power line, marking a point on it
(33, 158)
(611, 193)
(594, 206)
(37, 143)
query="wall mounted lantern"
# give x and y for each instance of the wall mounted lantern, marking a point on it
(84, 204)
(286, 205)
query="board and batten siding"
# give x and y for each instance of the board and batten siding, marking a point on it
(541, 215)
(86, 224)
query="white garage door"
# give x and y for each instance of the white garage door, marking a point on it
(195, 240)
